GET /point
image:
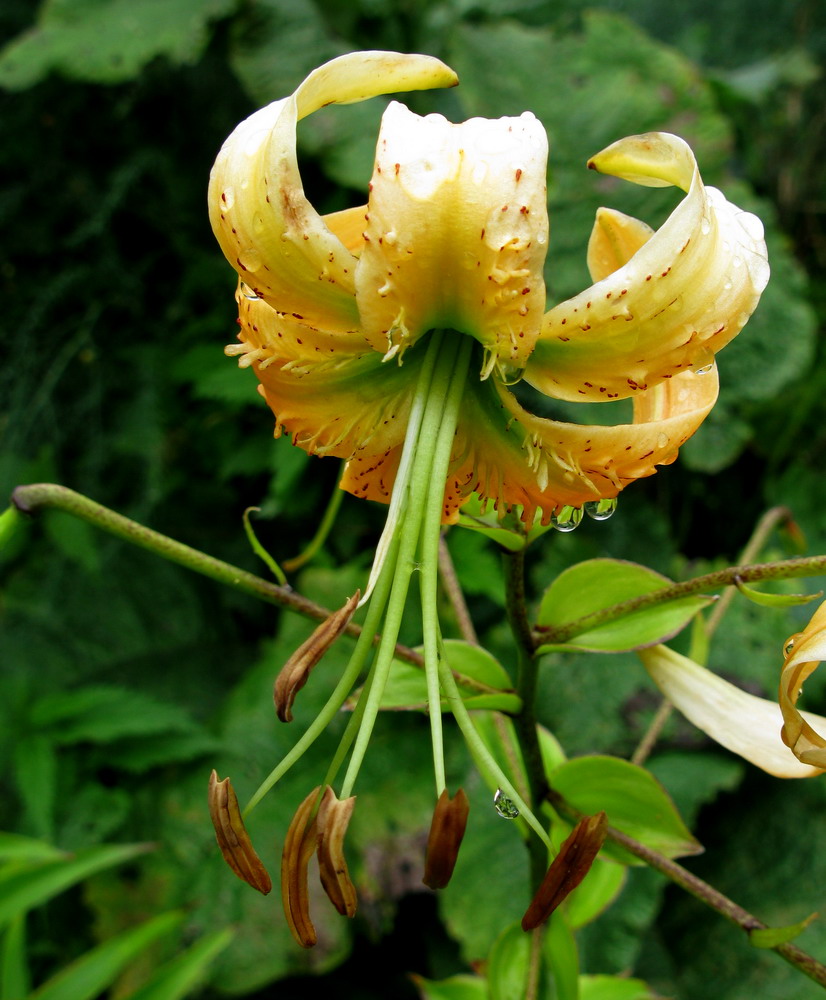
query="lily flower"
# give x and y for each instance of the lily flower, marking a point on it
(802, 654)
(389, 335)
(334, 310)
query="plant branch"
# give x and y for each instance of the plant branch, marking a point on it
(728, 577)
(450, 581)
(706, 893)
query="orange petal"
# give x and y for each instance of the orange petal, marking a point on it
(804, 652)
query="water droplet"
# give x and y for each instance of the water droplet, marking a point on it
(662, 439)
(509, 373)
(703, 361)
(250, 259)
(566, 518)
(705, 226)
(503, 805)
(704, 370)
(601, 510)
(247, 292)
(789, 645)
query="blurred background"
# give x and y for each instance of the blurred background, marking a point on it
(125, 679)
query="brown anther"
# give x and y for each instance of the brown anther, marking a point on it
(446, 831)
(576, 855)
(299, 847)
(232, 836)
(331, 826)
(296, 671)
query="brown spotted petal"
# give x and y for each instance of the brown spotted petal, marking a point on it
(568, 869)
(296, 671)
(232, 836)
(299, 847)
(446, 832)
(331, 826)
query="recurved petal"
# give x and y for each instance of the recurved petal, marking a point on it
(299, 847)
(347, 407)
(332, 821)
(456, 234)
(681, 297)
(267, 228)
(512, 457)
(741, 722)
(803, 653)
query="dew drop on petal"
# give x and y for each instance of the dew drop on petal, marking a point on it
(566, 518)
(601, 510)
(705, 226)
(228, 197)
(250, 259)
(503, 805)
(788, 646)
(247, 292)
(703, 361)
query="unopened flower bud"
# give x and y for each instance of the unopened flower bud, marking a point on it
(446, 832)
(296, 671)
(232, 836)
(331, 825)
(576, 855)
(299, 847)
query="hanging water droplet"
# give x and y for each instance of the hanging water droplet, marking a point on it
(503, 805)
(250, 259)
(509, 373)
(789, 645)
(247, 292)
(601, 510)
(703, 361)
(705, 226)
(566, 518)
(704, 370)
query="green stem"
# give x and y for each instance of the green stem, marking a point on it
(328, 519)
(525, 722)
(783, 570)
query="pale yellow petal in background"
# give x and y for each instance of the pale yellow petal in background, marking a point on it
(741, 722)
(457, 233)
(685, 293)
(801, 730)
(615, 239)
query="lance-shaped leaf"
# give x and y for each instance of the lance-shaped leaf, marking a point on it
(296, 671)
(331, 826)
(299, 846)
(446, 832)
(232, 835)
(803, 653)
(568, 869)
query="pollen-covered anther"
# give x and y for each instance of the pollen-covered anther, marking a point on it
(231, 834)
(446, 832)
(573, 862)
(296, 671)
(331, 827)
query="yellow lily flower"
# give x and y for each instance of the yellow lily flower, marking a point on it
(749, 726)
(333, 309)
(802, 655)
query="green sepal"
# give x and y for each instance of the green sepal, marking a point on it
(613, 988)
(597, 584)
(775, 600)
(771, 937)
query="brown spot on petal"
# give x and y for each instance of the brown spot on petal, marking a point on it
(446, 832)
(568, 869)
(296, 671)
(232, 836)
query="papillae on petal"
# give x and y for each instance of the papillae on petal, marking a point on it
(457, 233)
(741, 722)
(268, 230)
(803, 653)
(681, 297)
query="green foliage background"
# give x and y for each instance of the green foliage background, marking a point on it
(125, 679)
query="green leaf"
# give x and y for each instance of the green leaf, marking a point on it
(108, 41)
(775, 600)
(478, 670)
(635, 802)
(508, 964)
(21, 890)
(771, 937)
(86, 977)
(14, 967)
(596, 584)
(35, 774)
(180, 976)
(454, 988)
(562, 957)
(613, 988)
(15, 847)
(595, 893)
